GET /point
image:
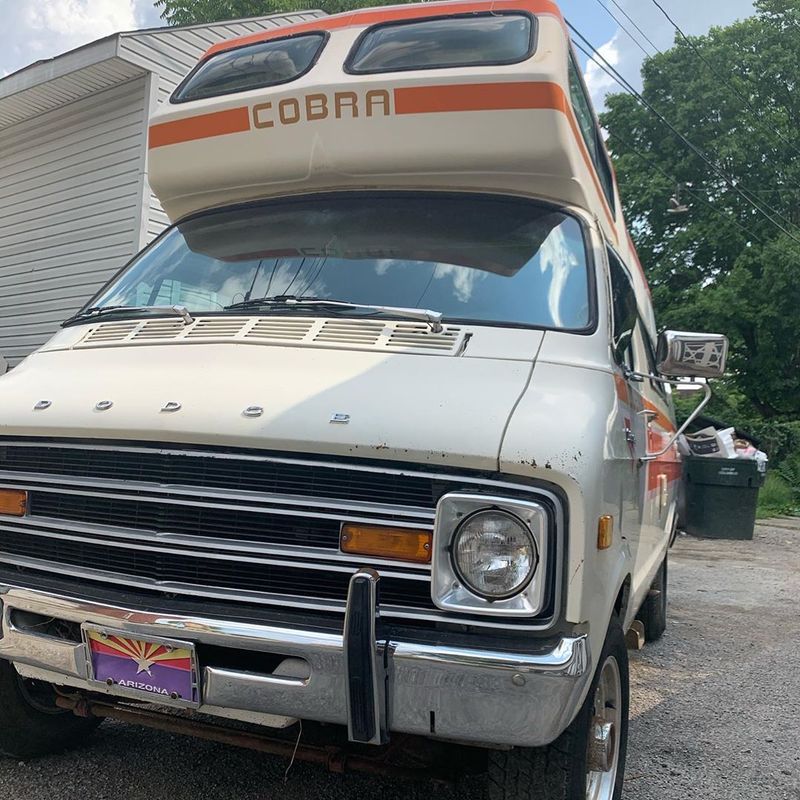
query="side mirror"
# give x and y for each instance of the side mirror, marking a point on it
(692, 355)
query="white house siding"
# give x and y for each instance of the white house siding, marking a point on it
(74, 200)
(70, 189)
(171, 54)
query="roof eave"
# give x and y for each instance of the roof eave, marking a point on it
(63, 64)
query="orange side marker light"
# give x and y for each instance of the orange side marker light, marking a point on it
(13, 502)
(401, 544)
(605, 532)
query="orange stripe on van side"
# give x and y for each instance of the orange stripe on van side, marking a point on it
(661, 416)
(499, 97)
(200, 126)
(479, 97)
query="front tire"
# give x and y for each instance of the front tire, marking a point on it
(30, 723)
(587, 762)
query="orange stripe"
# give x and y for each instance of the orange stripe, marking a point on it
(374, 16)
(661, 416)
(621, 387)
(201, 126)
(410, 100)
(479, 97)
(499, 97)
(669, 464)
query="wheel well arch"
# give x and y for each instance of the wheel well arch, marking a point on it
(623, 599)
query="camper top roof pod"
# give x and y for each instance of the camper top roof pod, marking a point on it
(454, 96)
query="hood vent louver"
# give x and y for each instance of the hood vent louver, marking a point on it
(415, 336)
(110, 332)
(366, 333)
(293, 330)
(159, 329)
(347, 334)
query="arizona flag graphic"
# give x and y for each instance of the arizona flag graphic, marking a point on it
(147, 666)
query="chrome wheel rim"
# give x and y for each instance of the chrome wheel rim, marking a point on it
(604, 728)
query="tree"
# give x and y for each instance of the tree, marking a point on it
(732, 262)
(189, 12)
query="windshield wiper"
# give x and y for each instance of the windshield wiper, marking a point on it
(432, 318)
(161, 311)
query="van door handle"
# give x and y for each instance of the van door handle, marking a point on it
(630, 436)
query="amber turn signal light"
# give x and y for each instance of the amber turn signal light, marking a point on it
(605, 532)
(13, 502)
(402, 544)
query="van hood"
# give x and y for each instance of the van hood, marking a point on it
(450, 409)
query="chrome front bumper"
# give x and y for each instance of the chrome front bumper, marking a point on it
(457, 693)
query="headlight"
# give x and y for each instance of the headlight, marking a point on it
(494, 554)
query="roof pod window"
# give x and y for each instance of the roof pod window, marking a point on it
(253, 66)
(591, 133)
(452, 41)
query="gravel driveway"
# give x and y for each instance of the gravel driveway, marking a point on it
(715, 707)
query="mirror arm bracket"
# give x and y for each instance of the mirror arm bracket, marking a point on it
(638, 376)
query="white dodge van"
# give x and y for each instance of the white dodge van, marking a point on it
(376, 435)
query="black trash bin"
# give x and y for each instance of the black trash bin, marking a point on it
(721, 497)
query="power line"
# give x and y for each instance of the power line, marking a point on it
(611, 72)
(724, 78)
(649, 162)
(632, 21)
(622, 27)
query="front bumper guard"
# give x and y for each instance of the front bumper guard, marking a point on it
(373, 685)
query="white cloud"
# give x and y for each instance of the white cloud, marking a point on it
(694, 18)
(599, 82)
(40, 29)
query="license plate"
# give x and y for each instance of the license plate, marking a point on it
(159, 670)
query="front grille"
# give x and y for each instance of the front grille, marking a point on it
(194, 520)
(235, 526)
(169, 568)
(281, 476)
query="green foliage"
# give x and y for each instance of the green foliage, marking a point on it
(789, 470)
(723, 266)
(189, 12)
(777, 498)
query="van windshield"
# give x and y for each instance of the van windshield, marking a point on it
(473, 258)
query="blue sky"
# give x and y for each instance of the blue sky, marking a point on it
(623, 47)
(40, 29)
(590, 19)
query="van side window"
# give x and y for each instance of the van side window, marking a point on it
(591, 132)
(624, 312)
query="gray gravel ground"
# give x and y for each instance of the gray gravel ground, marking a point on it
(714, 707)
